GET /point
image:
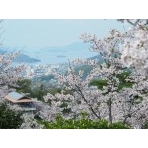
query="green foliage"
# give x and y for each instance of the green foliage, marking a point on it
(123, 82)
(82, 123)
(54, 91)
(9, 119)
(118, 125)
(85, 68)
(64, 105)
(46, 78)
(66, 110)
(123, 75)
(84, 115)
(99, 83)
(24, 86)
(38, 92)
(122, 79)
(145, 125)
(137, 99)
(125, 85)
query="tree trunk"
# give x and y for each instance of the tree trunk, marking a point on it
(110, 110)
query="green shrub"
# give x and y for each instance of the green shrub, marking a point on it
(82, 123)
(145, 125)
(118, 125)
(9, 119)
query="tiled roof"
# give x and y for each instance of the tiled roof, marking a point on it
(15, 96)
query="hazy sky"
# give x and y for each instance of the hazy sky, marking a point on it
(49, 32)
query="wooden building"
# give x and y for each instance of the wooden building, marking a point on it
(22, 100)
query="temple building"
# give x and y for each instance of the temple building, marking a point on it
(22, 100)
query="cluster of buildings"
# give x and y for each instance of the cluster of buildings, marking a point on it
(42, 70)
(38, 70)
(32, 71)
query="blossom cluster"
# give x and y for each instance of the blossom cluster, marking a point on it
(9, 74)
(120, 53)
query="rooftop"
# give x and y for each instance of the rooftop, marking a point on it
(15, 95)
(18, 98)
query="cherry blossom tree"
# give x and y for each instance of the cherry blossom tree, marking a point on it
(9, 74)
(135, 47)
(121, 53)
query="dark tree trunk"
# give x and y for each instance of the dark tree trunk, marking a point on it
(110, 110)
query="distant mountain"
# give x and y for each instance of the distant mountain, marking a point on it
(55, 54)
(61, 54)
(98, 57)
(23, 58)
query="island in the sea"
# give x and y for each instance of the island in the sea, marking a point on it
(23, 58)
